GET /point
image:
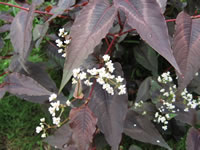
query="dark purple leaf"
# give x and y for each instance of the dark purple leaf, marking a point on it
(6, 17)
(21, 33)
(90, 26)
(147, 57)
(193, 139)
(5, 28)
(1, 43)
(143, 93)
(162, 4)
(146, 17)
(140, 128)
(62, 6)
(186, 47)
(44, 28)
(61, 138)
(186, 117)
(3, 91)
(37, 72)
(23, 85)
(111, 112)
(83, 125)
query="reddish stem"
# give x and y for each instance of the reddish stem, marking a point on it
(111, 44)
(27, 9)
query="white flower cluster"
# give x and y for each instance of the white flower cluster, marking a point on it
(62, 45)
(138, 105)
(165, 78)
(41, 128)
(160, 118)
(168, 99)
(189, 101)
(103, 76)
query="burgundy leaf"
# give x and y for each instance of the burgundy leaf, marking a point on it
(62, 6)
(186, 47)
(146, 17)
(144, 89)
(111, 112)
(21, 32)
(193, 139)
(1, 43)
(90, 26)
(2, 91)
(162, 4)
(5, 28)
(140, 128)
(6, 17)
(61, 138)
(23, 85)
(186, 117)
(83, 125)
(37, 72)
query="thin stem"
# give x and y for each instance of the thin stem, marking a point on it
(111, 44)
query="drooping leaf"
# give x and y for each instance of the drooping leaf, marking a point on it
(44, 28)
(110, 111)
(1, 43)
(90, 26)
(186, 117)
(23, 85)
(144, 90)
(140, 128)
(21, 33)
(62, 6)
(6, 17)
(83, 125)
(61, 138)
(146, 17)
(5, 28)
(186, 47)
(147, 57)
(162, 4)
(193, 140)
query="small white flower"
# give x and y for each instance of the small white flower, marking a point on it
(61, 31)
(196, 74)
(162, 90)
(166, 94)
(186, 109)
(68, 103)
(38, 129)
(156, 114)
(74, 81)
(106, 57)
(119, 79)
(167, 116)
(42, 119)
(56, 105)
(82, 75)
(134, 125)
(56, 120)
(100, 81)
(122, 89)
(60, 50)
(93, 71)
(110, 66)
(164, 127)
(52, 111)
(67, 41)
(64, 55)
(76, 72)
(43, 135)
(59, 43)
(52, 97)
(159, 79)
(88, 83)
